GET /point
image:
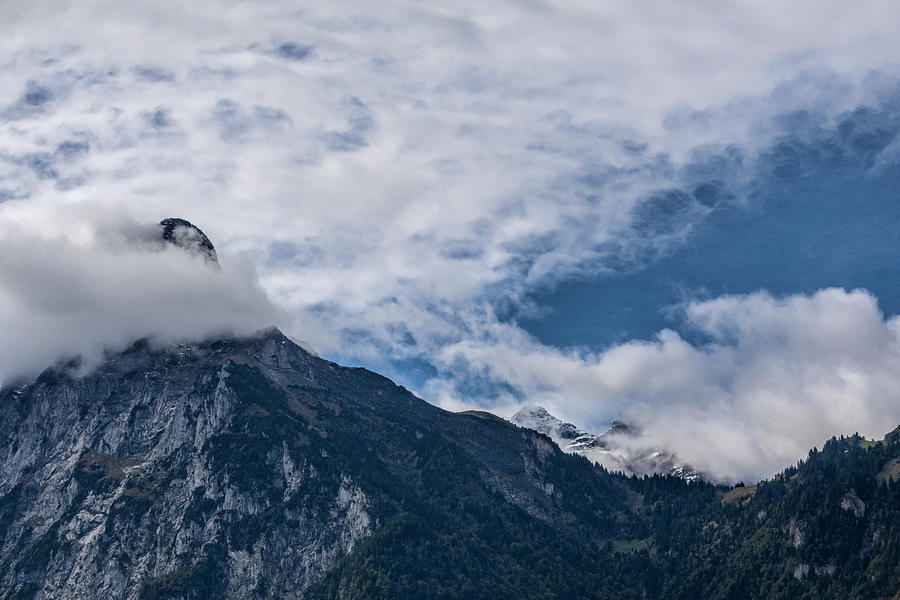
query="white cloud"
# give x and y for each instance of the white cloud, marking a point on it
(76, 282)
(776, 377)
(395, 170)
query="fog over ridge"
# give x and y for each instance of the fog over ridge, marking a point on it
(79, 282)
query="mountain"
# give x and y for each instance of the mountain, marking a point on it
(618, 449)
(250, 468)
(253, 469)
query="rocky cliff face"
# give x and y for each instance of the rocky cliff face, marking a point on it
(244, 469)
(130, 478)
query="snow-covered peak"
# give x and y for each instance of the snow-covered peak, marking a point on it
(619, 448)
(540, 420)
(536, 418)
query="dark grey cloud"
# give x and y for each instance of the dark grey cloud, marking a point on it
(160, 118)
(153, 74)
(71, 150)
(359, 123)
(294, 51)
(33, 101)
(236, 122)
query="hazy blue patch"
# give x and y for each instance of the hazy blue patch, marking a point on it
(283, 252)
(486, 388)
(39, 96)
(294, 51)
(268, 115)
(235, 122)
(400, 335)
(36, 95)
(359, 123)
(462, 250)
(161, 118)
(715, 166)
(633, 147)
(153, 74)
(471, 79)
(213, 73)
(415, 372)
(231, 119)
(69, 183)
(711, 193)
(43, 164)
(345, 141)
(662, 213)
(526, 251)
(73, 149)
(33, 101)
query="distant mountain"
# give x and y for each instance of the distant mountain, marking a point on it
(618, 449)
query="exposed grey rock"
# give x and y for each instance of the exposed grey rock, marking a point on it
(854, 504)
(122, 481)
(188, 236)
(794, 531)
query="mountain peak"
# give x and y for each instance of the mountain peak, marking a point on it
(617, 449)
(186, 235)
(532, 413)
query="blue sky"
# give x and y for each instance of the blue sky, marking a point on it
(816, 212)
(682, 215)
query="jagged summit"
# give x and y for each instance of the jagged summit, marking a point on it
(185, 234)
(617, 449)
(539, 419)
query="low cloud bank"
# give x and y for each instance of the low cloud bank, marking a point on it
(778, 377)
(77, 281)
(773, 378)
